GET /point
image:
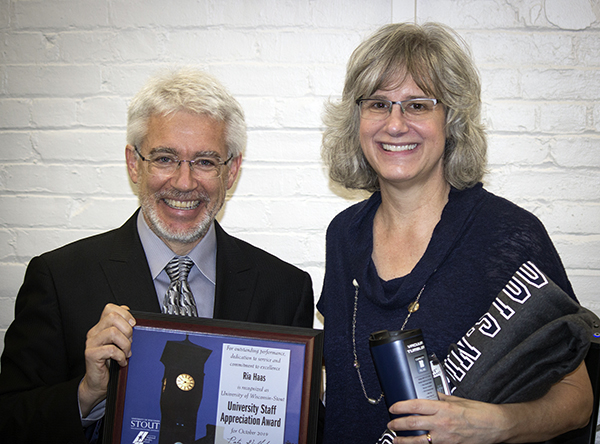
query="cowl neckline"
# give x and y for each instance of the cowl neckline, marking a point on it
(446, 233)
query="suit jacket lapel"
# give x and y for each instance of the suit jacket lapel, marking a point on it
(130, 280)
(127, 270)
(236, 279)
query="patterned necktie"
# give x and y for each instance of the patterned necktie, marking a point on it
(179, 299)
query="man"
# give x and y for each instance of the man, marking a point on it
(185, 136)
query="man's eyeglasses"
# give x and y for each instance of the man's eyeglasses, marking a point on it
(412, 109)
(165, 164)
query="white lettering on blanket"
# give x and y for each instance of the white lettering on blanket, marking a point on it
(463, 357)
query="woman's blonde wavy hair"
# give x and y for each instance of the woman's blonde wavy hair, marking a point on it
(439, 62)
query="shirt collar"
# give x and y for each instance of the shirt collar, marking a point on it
(158, 254)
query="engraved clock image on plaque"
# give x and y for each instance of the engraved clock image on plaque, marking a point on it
(182, 387)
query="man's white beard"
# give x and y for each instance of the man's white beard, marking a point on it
(183, 237)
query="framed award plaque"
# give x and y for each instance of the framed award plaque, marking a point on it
(206, 381)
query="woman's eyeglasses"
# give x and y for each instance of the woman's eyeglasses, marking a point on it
(380, 109)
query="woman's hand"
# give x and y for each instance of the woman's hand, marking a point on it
(453, 420)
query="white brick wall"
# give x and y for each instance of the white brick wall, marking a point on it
(69, 67)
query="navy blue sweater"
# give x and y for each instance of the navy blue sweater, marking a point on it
(479, 243)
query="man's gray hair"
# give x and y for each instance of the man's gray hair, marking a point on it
(190, 90)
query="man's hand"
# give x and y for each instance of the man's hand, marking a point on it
(109, 339)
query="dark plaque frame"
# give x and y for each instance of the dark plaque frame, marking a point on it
(132, 392)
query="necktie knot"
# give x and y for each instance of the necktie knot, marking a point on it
(178, 268)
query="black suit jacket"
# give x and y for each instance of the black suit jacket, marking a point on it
(64, 293)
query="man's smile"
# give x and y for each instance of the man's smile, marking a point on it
(182, 204)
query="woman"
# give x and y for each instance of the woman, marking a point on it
(430, 248)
